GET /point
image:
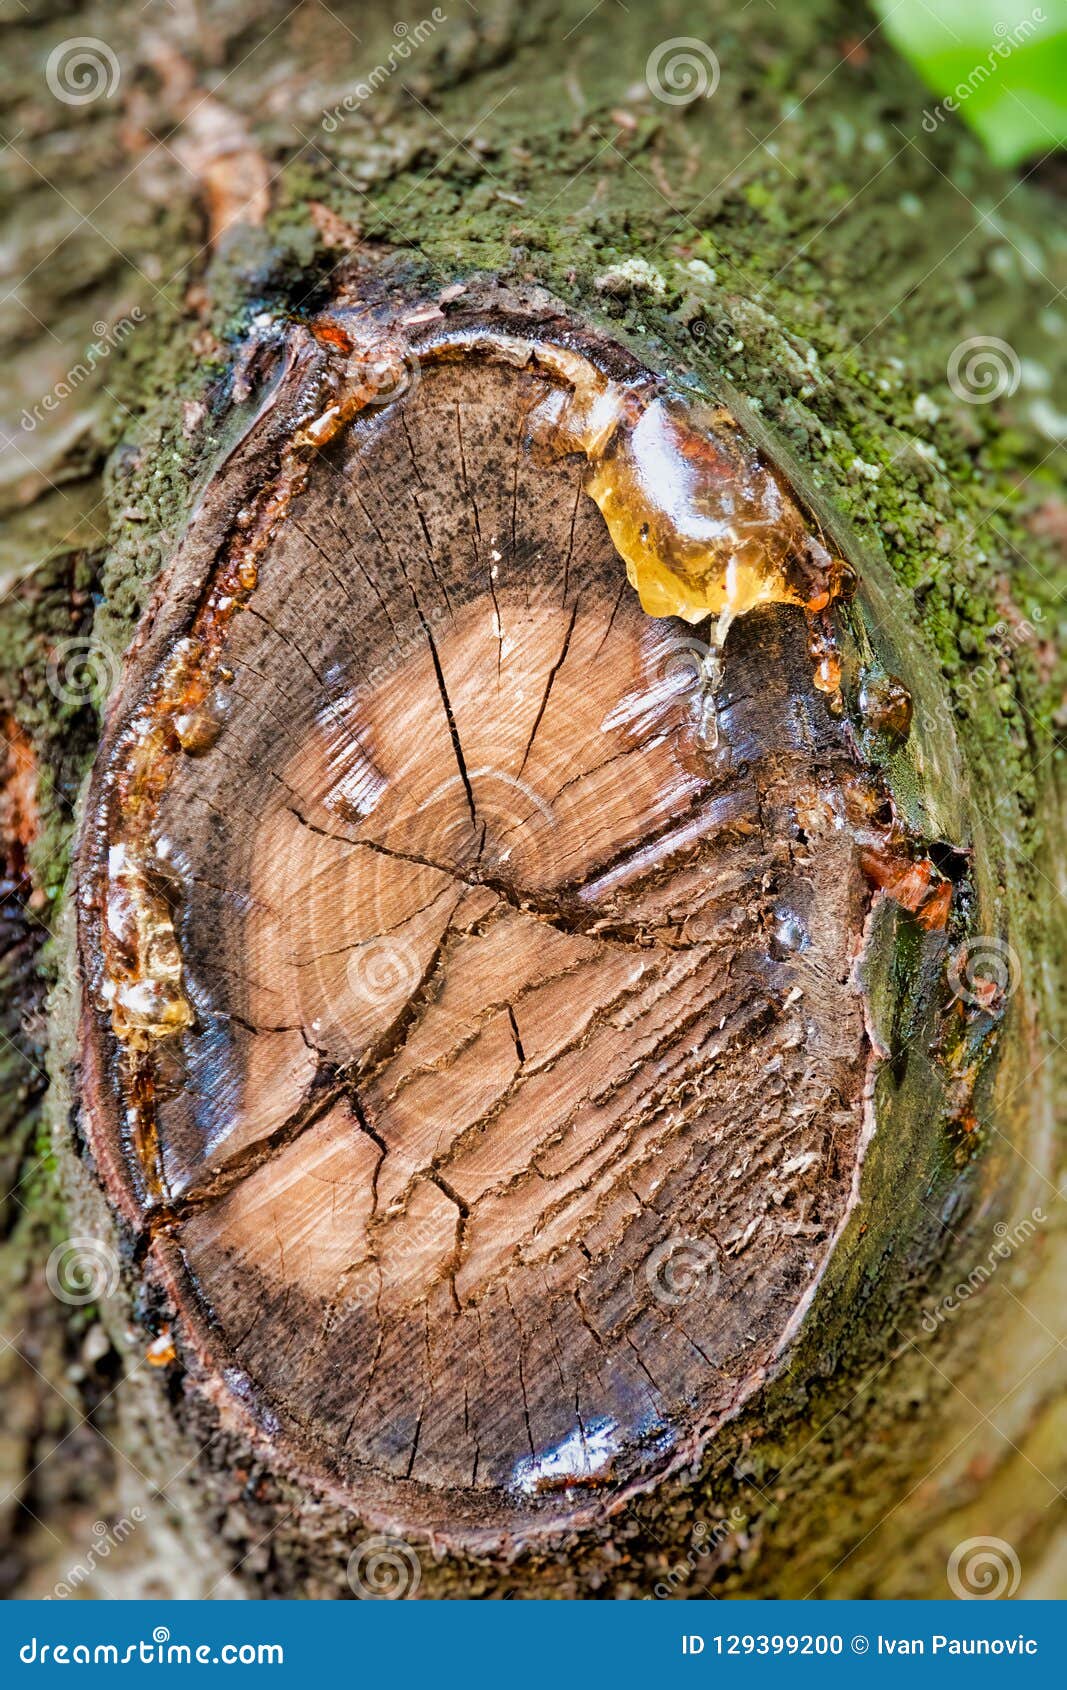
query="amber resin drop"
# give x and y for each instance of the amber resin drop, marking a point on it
(469, 1041)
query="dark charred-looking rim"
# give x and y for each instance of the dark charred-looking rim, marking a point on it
(411, 874)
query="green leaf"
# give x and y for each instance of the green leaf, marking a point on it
(1000, 64)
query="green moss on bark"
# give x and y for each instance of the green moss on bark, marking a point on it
(800, 242)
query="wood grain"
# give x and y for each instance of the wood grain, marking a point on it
(522, 1102)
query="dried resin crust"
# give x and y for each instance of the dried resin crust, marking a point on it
(470, 1037)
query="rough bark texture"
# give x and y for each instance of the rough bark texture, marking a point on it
(801, 256)
(509, 1101)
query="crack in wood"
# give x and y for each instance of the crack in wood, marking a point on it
(470, 1050)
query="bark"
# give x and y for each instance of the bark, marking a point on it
(817, 283)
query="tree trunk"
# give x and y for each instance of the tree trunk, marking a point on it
(515, 1088)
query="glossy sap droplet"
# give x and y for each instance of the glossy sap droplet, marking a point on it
(702, 524)
(161, 1351)
(198, 729)
(828, 673)
(885, 705)
(143, 985)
